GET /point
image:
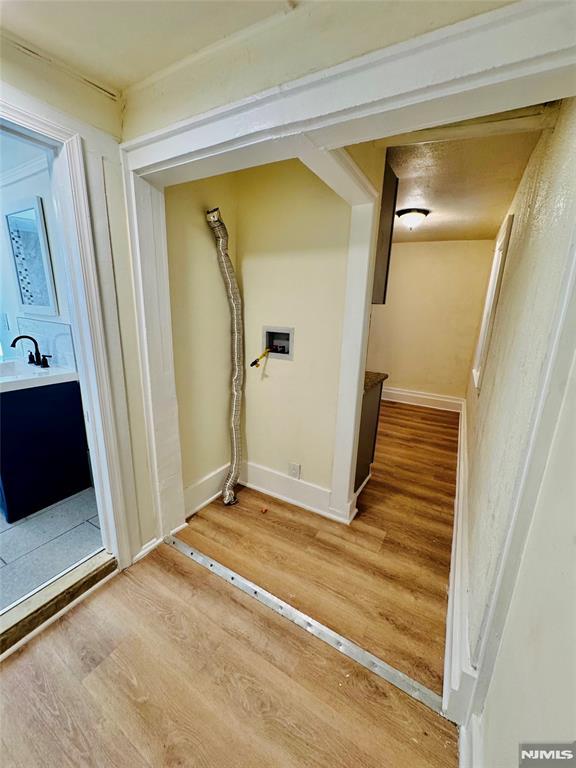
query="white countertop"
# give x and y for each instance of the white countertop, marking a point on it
(18, 374)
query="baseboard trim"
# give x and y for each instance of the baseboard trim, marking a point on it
(364, 484)
(313, 498)
(464, 747)
(151, 545)
(424, 399)
(178, 528)
(309, 496)
(459, 675)
(470, 744)
(203, 491)
(146, 549)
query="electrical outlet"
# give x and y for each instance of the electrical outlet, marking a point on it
(294, 470)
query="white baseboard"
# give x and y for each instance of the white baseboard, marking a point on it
(470, 744)
(459, 675)
(147, 548)
(425, 399)
(153, 543)
(203, 491)
(178, 528)
(364, 484)
(344, 514)
(351, 509)
(464, 747)
(312, 497)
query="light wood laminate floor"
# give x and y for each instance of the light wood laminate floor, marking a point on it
(166, 665)
(382, 581)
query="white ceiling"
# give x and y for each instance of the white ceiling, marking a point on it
(467, 184)
(118, 43)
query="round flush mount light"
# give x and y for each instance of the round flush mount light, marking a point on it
(412, 217)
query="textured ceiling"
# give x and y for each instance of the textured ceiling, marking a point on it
(468, 184)
(120, 42)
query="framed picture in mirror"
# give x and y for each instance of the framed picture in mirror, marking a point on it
(30, 255)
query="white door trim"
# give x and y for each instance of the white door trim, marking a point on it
(73, 212)
(459, 674)
(518, 55)
(147, 226)
(355, 327)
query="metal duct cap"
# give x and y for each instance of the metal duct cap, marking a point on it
(213, 216)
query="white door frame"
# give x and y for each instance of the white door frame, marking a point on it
(73, 214)
(146, 215)
(517, 56)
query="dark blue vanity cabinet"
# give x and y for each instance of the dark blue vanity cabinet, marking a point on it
(43, 448)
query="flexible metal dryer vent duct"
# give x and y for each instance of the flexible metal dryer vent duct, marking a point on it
(237, 346)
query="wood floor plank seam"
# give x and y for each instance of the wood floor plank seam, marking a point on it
(340, 643)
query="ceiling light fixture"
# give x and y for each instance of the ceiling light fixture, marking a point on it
(412, 217)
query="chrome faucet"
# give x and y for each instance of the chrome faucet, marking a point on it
(37, 358)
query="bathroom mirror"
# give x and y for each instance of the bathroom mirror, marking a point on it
(31, 257)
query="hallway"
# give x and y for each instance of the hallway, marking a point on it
(382, 581)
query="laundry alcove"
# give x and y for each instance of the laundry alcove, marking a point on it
(288, 241)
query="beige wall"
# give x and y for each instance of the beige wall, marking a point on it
(290, 237)
(200, 321)
(59, 89)
(424, 336)
(293, 243)
(501, 418)
(532, 696)
(314, 36)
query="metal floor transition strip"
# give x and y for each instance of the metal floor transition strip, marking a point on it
(338, 642)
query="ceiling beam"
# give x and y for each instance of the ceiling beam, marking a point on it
(339, 171)
(531, 119)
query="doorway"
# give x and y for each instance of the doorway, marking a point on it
(192, 150)
(56, 529)
(379, 586)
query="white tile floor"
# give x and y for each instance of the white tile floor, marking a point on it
(41, 546)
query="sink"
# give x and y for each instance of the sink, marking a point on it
(11, 367)
(18, 374)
